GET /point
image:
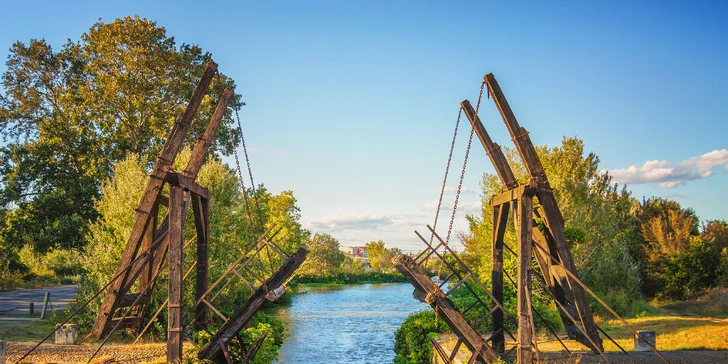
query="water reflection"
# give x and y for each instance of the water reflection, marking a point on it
(346, 324)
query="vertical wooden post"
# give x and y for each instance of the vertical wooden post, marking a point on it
(202, 225)
(500, 219)
(46, 298)
(174, 307)
(147, 240)
(524, 223)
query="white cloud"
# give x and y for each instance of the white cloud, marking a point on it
(352, 220)
(670, 175)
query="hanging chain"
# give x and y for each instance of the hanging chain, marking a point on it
(460, 183)
(465, 164)
(250, 171)
(255, 195)
(447, 170)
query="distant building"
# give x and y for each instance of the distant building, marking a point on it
(357, 253)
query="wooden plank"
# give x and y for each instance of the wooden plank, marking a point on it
(524, 224)
(512, 195)
(552, 215)
(176, 251)
(448, 312)
(169, 152)
(492, 149)
(188, 184)
(147, 240)
(200, 207)
(500, 220)
(203, 143)
(242, 316)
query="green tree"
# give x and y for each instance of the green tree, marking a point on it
(324, 257)
(68, 116)
(380, 258)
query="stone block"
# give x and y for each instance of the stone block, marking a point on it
(648, 335)
(66, 334)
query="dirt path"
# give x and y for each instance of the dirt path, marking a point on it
(15, 303)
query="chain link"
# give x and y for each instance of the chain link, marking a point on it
(462, 174)
(447, 170)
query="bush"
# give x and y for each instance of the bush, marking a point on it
(260, 325)
(614, 277)
(410, 341)
(692, 271)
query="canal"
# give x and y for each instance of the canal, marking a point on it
(346, 324)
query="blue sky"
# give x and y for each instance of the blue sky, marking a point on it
(352, 104)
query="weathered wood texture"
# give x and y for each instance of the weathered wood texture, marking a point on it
(212, 351)
(552, 214)
(524, 223)
(492, 149)
(429, 290)
(169, 152)
(500, 220)
(201, 211)
(174, 305)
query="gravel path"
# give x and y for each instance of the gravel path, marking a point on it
(49, 353)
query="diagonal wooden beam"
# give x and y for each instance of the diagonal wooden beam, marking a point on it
(552, 214)
(242, 316)
(169, 152)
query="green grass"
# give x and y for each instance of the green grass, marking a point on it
(26, 331)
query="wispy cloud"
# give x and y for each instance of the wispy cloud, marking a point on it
(669, 175)
(364, 221)
(463, 207)
(451, 190)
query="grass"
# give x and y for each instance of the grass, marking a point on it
(25, 331)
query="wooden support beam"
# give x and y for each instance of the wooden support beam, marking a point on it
(169, 152)
(242, 316)
(201, 209)
(524, 222)
(552, 214)
(188, 184)
(512, 195)
(176, 251)
(437, 299)
(500, 220)
(203, 143)
(492, 149)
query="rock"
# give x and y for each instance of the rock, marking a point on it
(648, 335)
(2, 352)
(66, 334)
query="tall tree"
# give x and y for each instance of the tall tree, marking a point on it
(68, 116)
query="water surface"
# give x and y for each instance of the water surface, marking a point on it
(346, 324)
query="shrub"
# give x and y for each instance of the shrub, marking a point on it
(692, 271)
(410, 341)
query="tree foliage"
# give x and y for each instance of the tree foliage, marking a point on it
(68, 115)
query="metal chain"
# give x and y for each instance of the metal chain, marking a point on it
(460, 184)
(255, 195)
(250, 172)
(447, 170)
(243, 190)
(462, 174)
